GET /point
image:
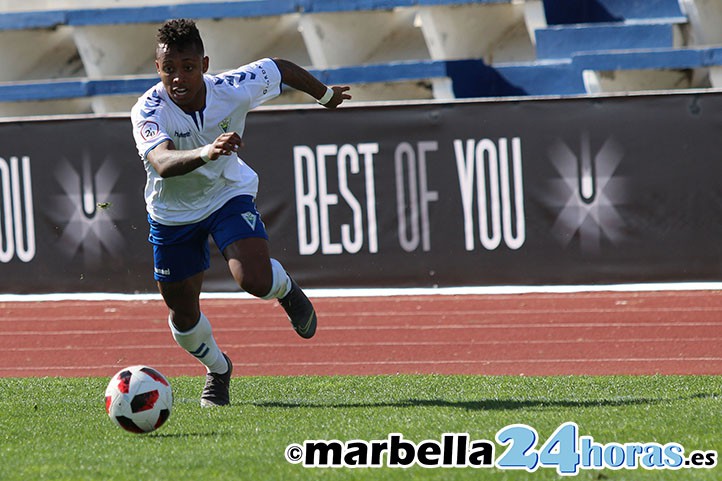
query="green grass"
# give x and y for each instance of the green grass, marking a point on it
(57, 429)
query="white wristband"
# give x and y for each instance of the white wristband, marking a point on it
(326, 97)
(206, 153)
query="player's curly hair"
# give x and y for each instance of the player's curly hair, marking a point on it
(180, 33)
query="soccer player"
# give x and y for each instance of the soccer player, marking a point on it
(188, 129)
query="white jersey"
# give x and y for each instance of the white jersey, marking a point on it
(156, 119)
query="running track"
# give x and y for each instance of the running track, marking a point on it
(675, 332)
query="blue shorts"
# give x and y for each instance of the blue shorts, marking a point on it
(180, 251)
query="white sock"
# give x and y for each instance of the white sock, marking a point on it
(199, 343)
(281, 282)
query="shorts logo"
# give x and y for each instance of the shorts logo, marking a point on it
(149, 129)
(162, 272)
(250, 219)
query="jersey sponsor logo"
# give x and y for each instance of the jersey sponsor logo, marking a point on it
(225, 123)
(182, 134)
(149, 129)
(266, 79)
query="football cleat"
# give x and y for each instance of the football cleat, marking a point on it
(215, 392)
(300, 311)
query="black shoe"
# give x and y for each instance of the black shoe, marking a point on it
(300, 311)
(215, 392)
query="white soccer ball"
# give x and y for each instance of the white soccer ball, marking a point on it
(139, 399)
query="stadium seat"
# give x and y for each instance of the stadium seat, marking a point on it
(559, 12)
(563, 41)
(98, 58)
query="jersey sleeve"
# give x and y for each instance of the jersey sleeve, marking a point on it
(148, 128)
(260, 81)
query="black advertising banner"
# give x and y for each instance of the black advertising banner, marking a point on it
(552, 191)
(72, 216)
(571, 191)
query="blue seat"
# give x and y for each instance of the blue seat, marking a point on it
(564, 40)
(660, 59)
(592, 11)
(542, 78)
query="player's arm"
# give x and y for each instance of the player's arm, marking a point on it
(300, 79)
(169, 162)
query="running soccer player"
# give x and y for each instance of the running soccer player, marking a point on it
(188, 129)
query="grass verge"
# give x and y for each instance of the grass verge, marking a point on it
(57, 429)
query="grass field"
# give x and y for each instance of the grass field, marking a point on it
(57, 429)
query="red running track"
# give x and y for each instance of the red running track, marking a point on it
(677, 332)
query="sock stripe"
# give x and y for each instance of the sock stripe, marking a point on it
(200, 344)
(197, 353)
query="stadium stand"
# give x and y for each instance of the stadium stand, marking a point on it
(96, 56)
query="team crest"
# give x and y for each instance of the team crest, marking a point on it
(250, 218)
(224, 124)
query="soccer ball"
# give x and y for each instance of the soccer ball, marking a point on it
(138, 399)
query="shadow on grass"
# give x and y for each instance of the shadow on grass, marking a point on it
(162, 435)
(486, 404)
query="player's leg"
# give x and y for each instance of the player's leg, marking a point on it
(259, 275)
(250, 265)
(179, 271)
(193, 332)
(242, 238)
(183, 301)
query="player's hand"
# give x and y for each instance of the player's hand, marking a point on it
(226, 144)
(339, 95)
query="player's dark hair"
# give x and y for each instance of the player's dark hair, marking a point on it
(180, 34)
